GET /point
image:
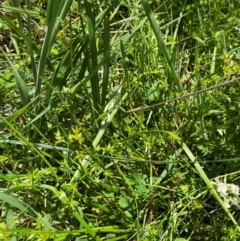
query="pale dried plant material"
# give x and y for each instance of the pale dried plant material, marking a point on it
(228, 191)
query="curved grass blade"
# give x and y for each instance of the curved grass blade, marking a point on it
(21, 34)
(16, 4)
(162, 46)
(5, 121)
(63, 70)
(25, 98)
(18, 32)
(16, 203)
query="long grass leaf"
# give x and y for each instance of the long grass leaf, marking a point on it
(161, 43)
(93, 50)
(209, 184)
(25, 98)
(22, 10)
(86, 226)
(30, 50)
(57, 11)
(106, 41)
(14, 202)
(16, 5)
(63, 70)
(5, 121)
(52, 14)
(19, 32)
(97, 139)
(10, 219)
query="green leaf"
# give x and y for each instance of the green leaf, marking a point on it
(21, 10)
(60, 194)
(142, 189)
(123, 203)
(86, 226)
(93, 51)
(5, 121)
(19, 33)
(209, 184)
(161, 42)
(20, 83)
(173, 135)
(16, 203)
(56, 12)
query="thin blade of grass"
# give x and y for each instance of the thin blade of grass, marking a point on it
(30, 50)
(93, 50)
(56, 12)
(63, 70)
(161, 43)
(125, 67)
(25, 98)
(10, 219)
(17, 5)
(45, 146)
(86, 226)
(5, 121)
(106, 66)
(23, 139)
(209, 184)
(21, 34)
(22, 10)
(86, 159)
(16, 203)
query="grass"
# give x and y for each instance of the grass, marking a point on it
(119, 120)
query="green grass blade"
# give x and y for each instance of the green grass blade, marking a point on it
(10, 219)
(86, 226)
(30, 50)
(209, 184)
(16, 203)
(45, 146)
(161, 43)
(55, 14)
(63, 70)
(94, 55)
(17, 5)
(4, 122)
(125, 67)
(25, 98)
(52, 14)
(108, 121)
(21, 10)
(97, 139)
(106, 42)
(19, 33)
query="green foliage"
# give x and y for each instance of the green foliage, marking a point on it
(119, 120)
